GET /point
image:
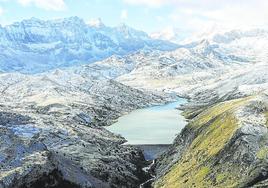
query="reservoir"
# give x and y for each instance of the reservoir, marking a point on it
(151, 126)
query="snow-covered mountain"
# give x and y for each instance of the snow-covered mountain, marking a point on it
(199, 61)
(35, 45)
(201, 65)
(62, 111)
(213, 52)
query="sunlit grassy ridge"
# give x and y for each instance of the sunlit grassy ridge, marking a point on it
(216, 126)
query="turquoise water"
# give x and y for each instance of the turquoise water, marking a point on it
(153, 125)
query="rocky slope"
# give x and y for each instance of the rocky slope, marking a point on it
(225, 141)
(192, 66)
(200, 63)
(51, 132)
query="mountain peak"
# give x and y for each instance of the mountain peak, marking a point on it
(34, 19)
(67, 42)
(96, 23)
(123, 27)
(30, 20)
(130, 32)
(73, 19)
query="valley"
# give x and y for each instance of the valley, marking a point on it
(199, 110)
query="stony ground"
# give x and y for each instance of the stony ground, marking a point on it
(51, 131)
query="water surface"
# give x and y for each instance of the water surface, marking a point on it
(153, 125)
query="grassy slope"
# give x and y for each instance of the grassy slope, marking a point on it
(217, 125)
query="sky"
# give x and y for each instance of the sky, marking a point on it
(187, 16)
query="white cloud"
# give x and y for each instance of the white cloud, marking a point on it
(198, 14)
(167, 33)
(95, 22)
(228, 14)
(124, 14)
(241, 15)
(56, 5)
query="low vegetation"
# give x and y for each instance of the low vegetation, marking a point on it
(197, 167)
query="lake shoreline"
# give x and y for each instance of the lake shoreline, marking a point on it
(155, 125)
(152, 130)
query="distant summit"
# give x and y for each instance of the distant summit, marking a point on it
(96, 23)
(35, 45)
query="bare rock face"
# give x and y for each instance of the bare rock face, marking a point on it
(51, 132)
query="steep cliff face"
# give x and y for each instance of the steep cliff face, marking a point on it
(223, 146)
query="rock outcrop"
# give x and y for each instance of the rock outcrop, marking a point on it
(51, 131)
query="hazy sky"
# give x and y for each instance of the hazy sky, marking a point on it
(147, 15)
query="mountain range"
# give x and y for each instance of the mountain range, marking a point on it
(34, 45)
(83, 76)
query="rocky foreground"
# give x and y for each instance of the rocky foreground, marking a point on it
(51, 132)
